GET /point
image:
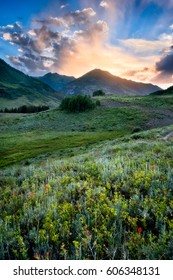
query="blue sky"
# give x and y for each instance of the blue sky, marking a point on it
(131, 39)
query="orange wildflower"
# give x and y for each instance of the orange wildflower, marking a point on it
(153, 167)
(47, 187)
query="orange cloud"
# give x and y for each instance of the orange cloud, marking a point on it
(88, 55)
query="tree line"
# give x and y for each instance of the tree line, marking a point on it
(25, 109)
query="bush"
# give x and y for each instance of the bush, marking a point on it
(137, 129)
(98, 103)
(98, 93)
(77, 103)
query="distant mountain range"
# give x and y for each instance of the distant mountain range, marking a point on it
(17, 89)
(110, 84)
(95, 80)
(56, 81)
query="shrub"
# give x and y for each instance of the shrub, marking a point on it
(77, 103)
(98, 93)
(137, 129)
(98, 103)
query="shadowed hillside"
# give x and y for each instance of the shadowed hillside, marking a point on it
(55, 80)
(110, 84)
(18, 89)
(164, 92)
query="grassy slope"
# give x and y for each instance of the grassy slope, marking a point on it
(27, 136)
(84, 198)
(17, 89)
(92, 206)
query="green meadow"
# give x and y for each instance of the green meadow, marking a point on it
(90, 185)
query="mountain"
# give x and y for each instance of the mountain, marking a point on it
(17, 89)
(110, 84)
(163, 92)
(55, 80)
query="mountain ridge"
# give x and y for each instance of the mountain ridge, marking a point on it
(110, 84)
(17, 89)
(167, 91)
(55, 80)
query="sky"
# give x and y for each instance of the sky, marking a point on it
(132, 39)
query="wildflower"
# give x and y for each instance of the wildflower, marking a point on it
(153, 167)
(47, 187)
(140, 229)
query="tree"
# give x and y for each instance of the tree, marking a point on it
(77, 103)
(98, 93)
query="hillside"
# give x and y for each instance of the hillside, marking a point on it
(110, 84)
(112, 202)
(55, 80)
(17, 89)
(91, 185)
(164, 92)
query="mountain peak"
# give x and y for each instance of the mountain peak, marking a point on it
(55, 80)
(98, 71)
(110, 84)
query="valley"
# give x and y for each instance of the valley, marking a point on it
(88, 185)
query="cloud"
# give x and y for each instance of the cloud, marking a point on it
(36, 40)
(30, 63)
(72, 19)
(86, 58)
(44, 48)
(165, 65)
(104, 4)
(158, 52)
(140, 74)
(143, 47)
(136, 71)
(7, 36)
(95, 34)
(16, 27)
(34, 46)
(64, 6)
(171, 26)
(77, 42)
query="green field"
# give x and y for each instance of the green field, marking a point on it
(54, 131)
(92, 185)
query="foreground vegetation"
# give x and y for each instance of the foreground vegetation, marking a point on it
(86, 185)
(113, 204)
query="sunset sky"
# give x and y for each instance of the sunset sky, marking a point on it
(132, 39)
